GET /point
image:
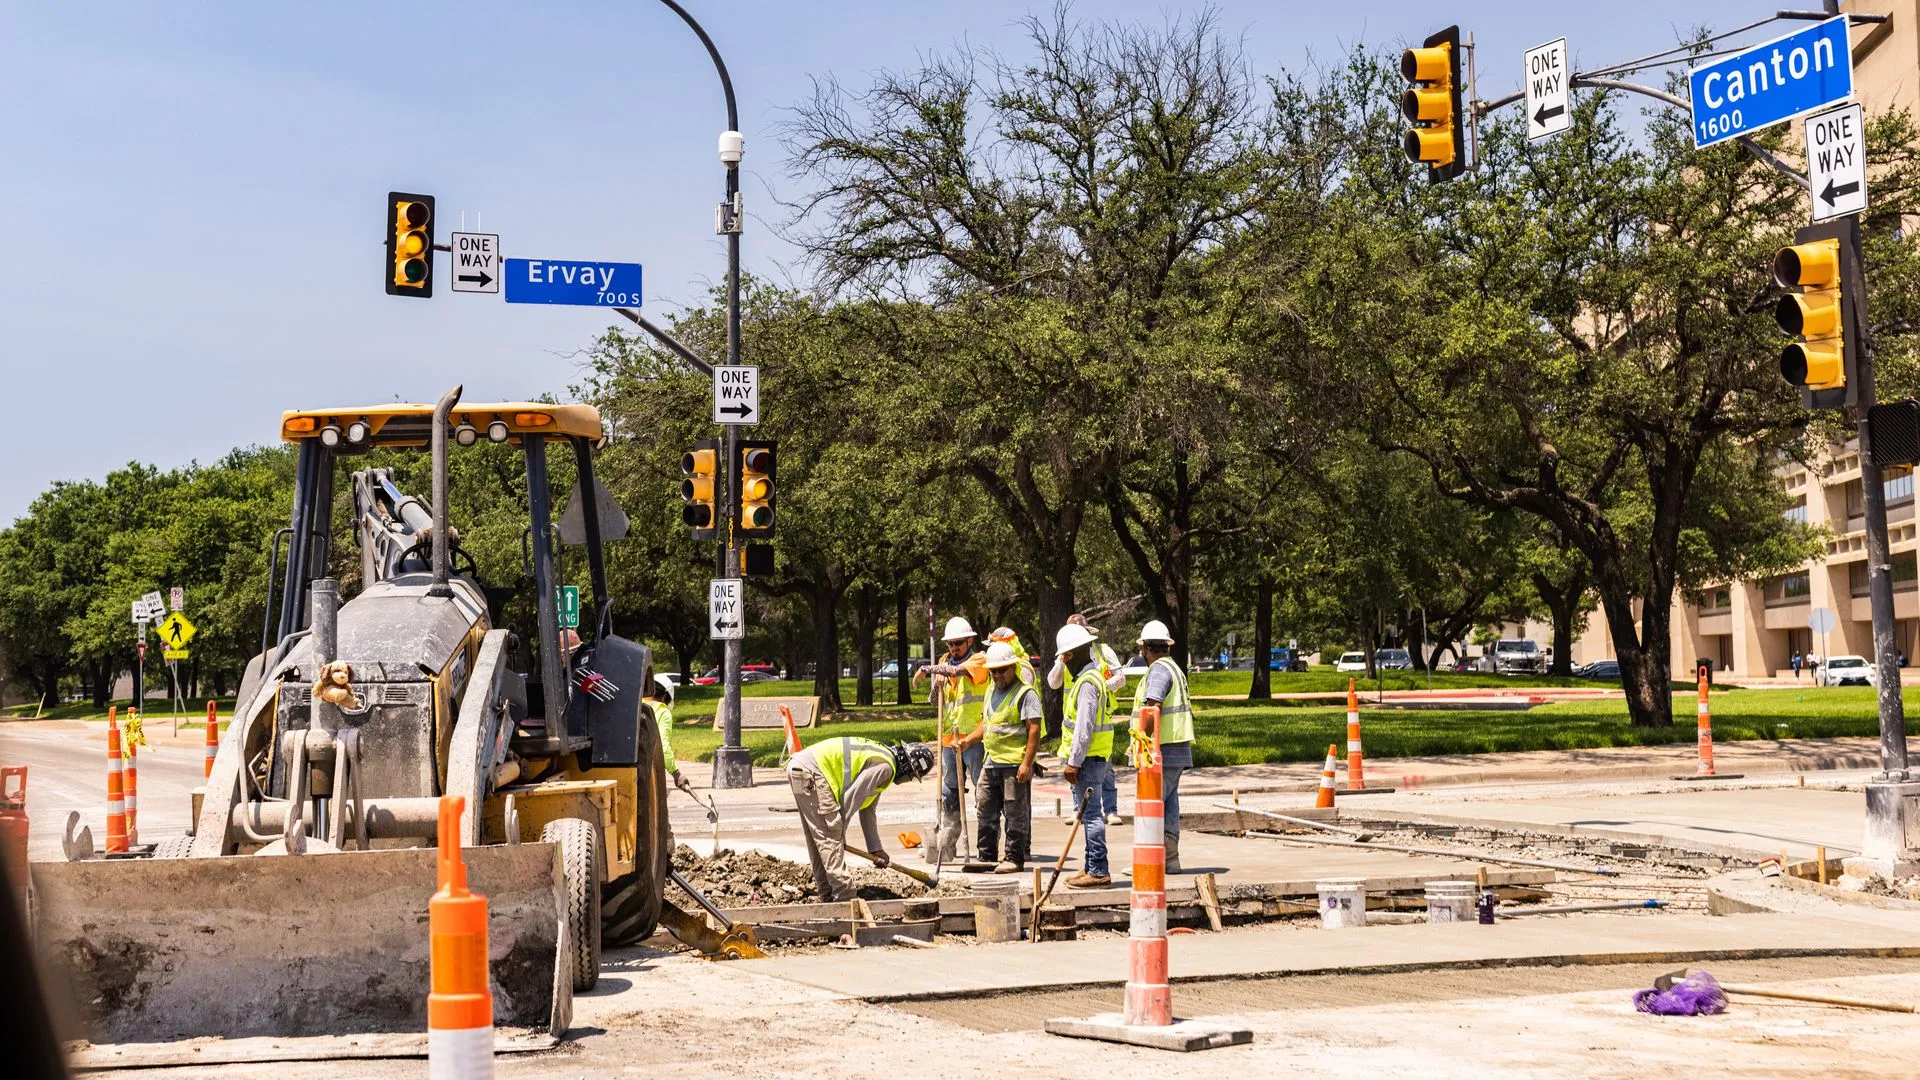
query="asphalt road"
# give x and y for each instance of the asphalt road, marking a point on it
(67, 770)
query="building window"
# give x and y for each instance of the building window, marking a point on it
(1856, 499)
(1716, 600)
(1898, 486)
(1906, 575)
(1789, 589)
(1798, 511)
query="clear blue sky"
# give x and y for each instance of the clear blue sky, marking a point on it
(190, 194)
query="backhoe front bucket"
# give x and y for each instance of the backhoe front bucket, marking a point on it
(291, 945)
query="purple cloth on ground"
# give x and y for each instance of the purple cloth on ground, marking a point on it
(1698, 994)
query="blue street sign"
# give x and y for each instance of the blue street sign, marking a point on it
(566, 281)
(1771, 83)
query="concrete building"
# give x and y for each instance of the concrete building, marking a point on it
(1754, 628)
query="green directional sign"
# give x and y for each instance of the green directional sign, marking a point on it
(568, 601)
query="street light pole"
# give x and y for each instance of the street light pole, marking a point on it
(732, 765)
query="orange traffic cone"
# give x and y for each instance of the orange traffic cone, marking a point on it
(1706, 730)
(1356, 774)
(213, 737)
(793, 736)
(1149, 997)
(116, 790)
(460, 1004)
(1326, 778)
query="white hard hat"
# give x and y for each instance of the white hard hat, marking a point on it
(1000, 654)
(1071, 637)
(1155, 630)
(957, 628)
(666, 688)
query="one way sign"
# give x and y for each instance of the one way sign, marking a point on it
(736, 394)
(725, 619)
(476, 262)
(1548, 90)
(1836, 162)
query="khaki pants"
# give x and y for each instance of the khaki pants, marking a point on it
(826, 835)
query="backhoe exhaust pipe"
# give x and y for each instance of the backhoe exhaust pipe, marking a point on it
(442, 550)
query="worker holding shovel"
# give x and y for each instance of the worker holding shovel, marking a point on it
(1012, 736)
(833, 781)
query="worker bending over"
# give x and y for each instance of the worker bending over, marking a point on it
(1086, 743)
(1012, 737)
(832, 781)
(1165, 685)
(961, 679)
(659, 698)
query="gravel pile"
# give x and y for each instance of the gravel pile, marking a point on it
(734, 879)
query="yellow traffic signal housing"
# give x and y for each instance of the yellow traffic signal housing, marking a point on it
(1433, 103)
(409, 269)
(756, 504)
(1819, 314)
(700, 466)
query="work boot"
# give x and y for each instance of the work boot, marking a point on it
(1084, 880)
(1008, 866)
(1173, 853)
(1115, 820)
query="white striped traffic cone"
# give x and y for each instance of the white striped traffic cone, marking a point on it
(116, 788)
(1356, 773)
(1326, 778)
(460, 1004)
(1149, 1000)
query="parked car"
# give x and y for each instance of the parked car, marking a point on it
(1845, 671)
(1518, 656)
(1286, 660)
(1599, 669)
(748, 675)
(1350, 662)
(1392, 659)
(891, 669)
(711, 677)
(1135, 667)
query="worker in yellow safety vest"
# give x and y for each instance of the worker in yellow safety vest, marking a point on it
(659, 698)
(1011, 640)
(961, 680)
(1011, 737)
(1104, 655)
(833, 781)
(1165, 685)
(1086, 744)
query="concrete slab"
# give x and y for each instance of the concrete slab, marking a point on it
(991, 969)
(1184, 1036)
(1759, 820)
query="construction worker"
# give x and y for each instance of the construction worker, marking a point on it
(832, 781)
(1012, 737)
(1006, 636)
(659, 698)
(1116, 682)
(963, 685)
(1165, 685)
(1086, 742)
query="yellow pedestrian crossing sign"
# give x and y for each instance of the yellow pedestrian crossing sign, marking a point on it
(176, 631)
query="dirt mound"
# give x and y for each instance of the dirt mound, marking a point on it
(735, 879)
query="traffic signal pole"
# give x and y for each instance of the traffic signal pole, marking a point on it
(732, 765)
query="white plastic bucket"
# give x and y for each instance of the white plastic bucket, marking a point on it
(1343, 902)
(1450, 901)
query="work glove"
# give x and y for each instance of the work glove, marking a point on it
(680, 781)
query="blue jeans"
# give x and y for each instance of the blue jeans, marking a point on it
(1095, 773)
(1175, 759)
(974, 757)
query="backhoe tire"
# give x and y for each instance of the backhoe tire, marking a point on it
(631, 904)
(579, 842)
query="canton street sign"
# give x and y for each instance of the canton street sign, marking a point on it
(565, 281)
(1837, 162)
(176, 632)
(1784, 78)
(476, 262)
(1549, 91)
(568, 605)
(736, 394)
(725, 621)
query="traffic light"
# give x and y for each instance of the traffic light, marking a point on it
(701, 468)
(409, 270)
(756, 503)
(1820, 265)
(1433, 103)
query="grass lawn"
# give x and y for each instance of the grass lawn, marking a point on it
(158, 711)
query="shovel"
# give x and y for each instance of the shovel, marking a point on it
(931, 881)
